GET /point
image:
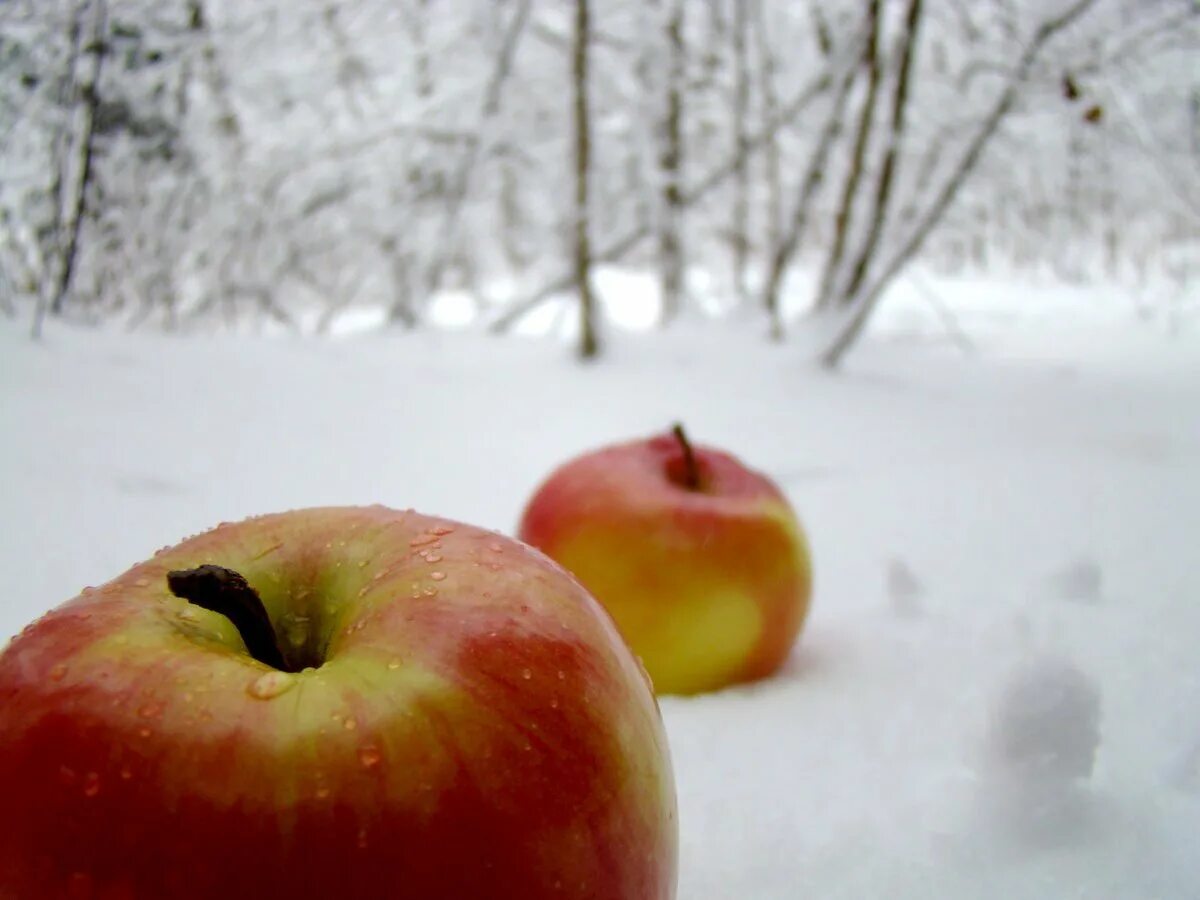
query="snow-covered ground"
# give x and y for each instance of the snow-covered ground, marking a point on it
(998, 692)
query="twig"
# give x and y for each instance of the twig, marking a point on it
(949, 321)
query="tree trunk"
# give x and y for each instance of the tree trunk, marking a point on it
(854, 175)
(670, 244)
(589, 345)
(741, 193)
(56, 270)
(90, 100)
(887, 172)
(772, 164)
(784, 251)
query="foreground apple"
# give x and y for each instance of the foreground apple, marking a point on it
(448, 716)
(700, 560)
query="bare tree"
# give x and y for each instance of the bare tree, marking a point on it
(620, 247)
(892, 146)
(73, 152)
(589, 345)
(786, 248)
(772, 163)
(740, 225)
(856, 170)
(863, 303)
(670, 240)
(461, 182)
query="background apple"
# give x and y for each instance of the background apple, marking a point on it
(454, 717)
(701, 561)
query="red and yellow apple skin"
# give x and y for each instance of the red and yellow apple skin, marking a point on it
(478, 729)
(709, 585)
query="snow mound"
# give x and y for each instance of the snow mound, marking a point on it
(1045, 725)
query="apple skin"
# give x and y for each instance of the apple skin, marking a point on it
(478, 729)
(710, 587)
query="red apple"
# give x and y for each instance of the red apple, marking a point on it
(700, 560)
(450, 716)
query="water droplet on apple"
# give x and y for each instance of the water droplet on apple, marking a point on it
(91, 784)
(270, 685)
(322, 792)
(187, 614)
(441, 529)
(423, 539)
(526, 674)
(561, 675)
(496, 547)
(66, 775)
(350, 724)
(295, 629)
(151, 709)
(58, 672)
(144, 732)
(433, 557)
(430, 592)
(141, 582)
(554, 703)
(126, 773)
(438, 576)
(394, 664)
(495, 566)
(369, 757)
(362, 839)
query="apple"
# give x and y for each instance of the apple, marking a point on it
(700, 560)
(333, 703)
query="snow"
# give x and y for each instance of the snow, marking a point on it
(997, 694)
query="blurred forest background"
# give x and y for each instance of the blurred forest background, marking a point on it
(201, 164)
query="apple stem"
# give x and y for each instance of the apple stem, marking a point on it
(224, 591)
(691, 472)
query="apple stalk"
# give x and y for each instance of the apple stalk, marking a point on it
(691, 471)
(225, 591)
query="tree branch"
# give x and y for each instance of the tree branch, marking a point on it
(621, 246)
(861, 311)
